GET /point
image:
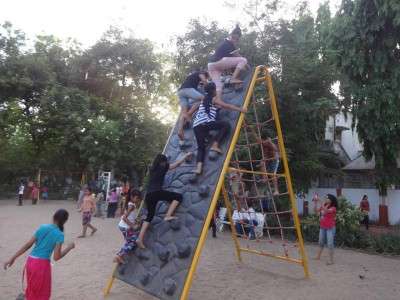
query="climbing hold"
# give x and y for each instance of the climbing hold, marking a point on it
(143, 254)
(204, 190)
(183, 250)
(121, 270)
(175, 224)
(213, 155)
(162, 208)
(144, 278)
(193, 178)
(169, 286)
(163, 253)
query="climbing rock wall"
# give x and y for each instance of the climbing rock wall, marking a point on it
(161, 269)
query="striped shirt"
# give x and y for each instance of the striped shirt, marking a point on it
(203, 117)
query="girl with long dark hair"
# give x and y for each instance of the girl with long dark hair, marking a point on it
(205, 120)
(47, 239)
(155, 192)
(327, 226)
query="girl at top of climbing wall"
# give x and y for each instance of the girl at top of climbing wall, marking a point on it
(155, 192)
(205, 120)
(225, 57)
(188, 95)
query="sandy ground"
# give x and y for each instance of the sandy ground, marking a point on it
(83, 273)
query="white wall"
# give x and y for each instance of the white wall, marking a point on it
(349, 138)
(355, 195)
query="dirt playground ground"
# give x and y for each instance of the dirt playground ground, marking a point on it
(83, 273)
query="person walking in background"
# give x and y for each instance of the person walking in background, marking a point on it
(226, 57)
(45, 193)
(112, 201)
(47, 239)
(364, 207)
(327, 229)
(35, 194)
(87, 208)
(21, 189)
(188, 95)
(80, 196)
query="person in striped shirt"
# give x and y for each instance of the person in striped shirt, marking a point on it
(205, 120)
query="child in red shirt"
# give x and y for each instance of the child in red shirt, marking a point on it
(327, 226)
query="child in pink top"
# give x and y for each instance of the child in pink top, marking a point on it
(327, 226)
(87, 208)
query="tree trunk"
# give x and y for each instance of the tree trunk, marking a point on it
(383, 209)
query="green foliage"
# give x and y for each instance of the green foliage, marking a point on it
(348, 233)
(365, 35)
(65, 109)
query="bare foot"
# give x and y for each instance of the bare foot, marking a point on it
(93, 231)
(216, 149)
(234, 80)
(276, 193)
(140, 244)
(170, 218)
(81, 236)
(118, 259)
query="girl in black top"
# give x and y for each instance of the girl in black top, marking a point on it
(227, 56)
(155, 193)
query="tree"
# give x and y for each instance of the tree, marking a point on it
(365, 35)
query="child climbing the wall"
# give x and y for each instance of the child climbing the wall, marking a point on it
(188, 95)
(130, 224)
(155, 193)
(88, 207)
(205, 120)
(47, 239)
(226, 57)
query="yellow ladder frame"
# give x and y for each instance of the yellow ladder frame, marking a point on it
(261, 74)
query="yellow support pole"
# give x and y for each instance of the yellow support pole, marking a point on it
(110, 282)
(203, 235)
(233, 229)
(282, 150)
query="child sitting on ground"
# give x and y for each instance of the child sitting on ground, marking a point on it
(130, 224)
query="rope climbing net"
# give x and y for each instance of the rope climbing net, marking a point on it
(260, 204)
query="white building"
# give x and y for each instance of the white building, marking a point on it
(358, 179)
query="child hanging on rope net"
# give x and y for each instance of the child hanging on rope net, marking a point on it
(226, 57)
(155, 193)
(88, 208)
(270, 163)
(130, 224)
(205, 120)
(188, 95)
(47, 239)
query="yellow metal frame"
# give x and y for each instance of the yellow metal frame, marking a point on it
(266, 78)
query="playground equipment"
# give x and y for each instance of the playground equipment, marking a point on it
(166, 268)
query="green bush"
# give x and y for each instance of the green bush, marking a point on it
(348, 233)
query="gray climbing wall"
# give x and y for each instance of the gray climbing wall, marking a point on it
(161, 269)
